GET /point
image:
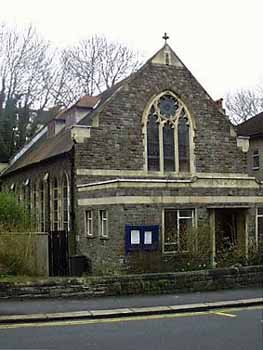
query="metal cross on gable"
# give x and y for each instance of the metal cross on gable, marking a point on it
(165, 37)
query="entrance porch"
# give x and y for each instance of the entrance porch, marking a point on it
(229, 236)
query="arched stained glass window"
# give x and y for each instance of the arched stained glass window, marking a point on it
(153, 143)
(168, 148)
(168, 135)
(183, 144)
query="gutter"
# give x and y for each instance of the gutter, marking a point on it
(130, 312)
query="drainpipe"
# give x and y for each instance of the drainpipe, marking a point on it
(72, 247)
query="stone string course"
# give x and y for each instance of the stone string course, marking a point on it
(162, 283)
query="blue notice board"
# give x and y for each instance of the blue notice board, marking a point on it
(141, 237)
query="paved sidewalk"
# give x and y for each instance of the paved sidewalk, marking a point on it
(51, 306)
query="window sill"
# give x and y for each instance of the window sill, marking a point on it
(183, 253)
(255, 168)
(104, 238)
(90, 237)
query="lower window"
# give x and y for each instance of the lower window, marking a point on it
(177, 223)
(103, 217)
(259, 226)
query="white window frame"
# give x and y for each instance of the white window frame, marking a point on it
(193, 218)
(256, 233)
(89, 232)
(254, 156)
(102, 220)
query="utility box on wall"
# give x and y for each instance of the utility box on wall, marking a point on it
(141, 237)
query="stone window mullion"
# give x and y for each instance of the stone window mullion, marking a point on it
(161, 147)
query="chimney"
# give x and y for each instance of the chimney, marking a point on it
(219, 104)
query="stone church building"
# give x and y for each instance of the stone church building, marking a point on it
(138, 167)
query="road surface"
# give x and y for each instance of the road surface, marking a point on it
(228, 329)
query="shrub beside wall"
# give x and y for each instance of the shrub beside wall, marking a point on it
(17, 246)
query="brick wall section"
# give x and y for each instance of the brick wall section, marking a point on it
(206, 280)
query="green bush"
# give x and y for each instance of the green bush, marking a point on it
(255, 254)
(17, 252)
(230, 256)
(13, 215)
(198, 253)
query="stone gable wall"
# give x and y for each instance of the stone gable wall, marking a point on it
(118, 142)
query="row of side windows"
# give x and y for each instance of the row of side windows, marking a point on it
(49, 201)
(103, 223)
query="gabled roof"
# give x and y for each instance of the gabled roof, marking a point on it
(251, 127)
(45, 148)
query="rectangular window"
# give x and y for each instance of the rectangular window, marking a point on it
(89, 223)
(255, 160)
(259, 225)
(103, 217)
(177, 223)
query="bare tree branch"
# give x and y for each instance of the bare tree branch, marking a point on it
(244, 104)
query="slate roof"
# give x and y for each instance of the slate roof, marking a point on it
(87, 101)
(252, 127)
(46, 148)
(43, 149)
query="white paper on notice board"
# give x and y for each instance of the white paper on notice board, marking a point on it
(148, 237)
(135, 237)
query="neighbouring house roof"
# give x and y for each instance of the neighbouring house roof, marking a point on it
(87, 101)
(44, 147)
(251, 127)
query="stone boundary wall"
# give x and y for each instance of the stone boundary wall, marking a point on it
(161, 283)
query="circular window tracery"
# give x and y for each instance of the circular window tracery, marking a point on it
(167, 108)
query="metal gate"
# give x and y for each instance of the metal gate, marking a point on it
(58, 253)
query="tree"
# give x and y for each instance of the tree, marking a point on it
(34, 77)
(244, 104)
(93, 65)
(26, 65)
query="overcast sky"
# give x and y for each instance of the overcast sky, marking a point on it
(219, 41)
